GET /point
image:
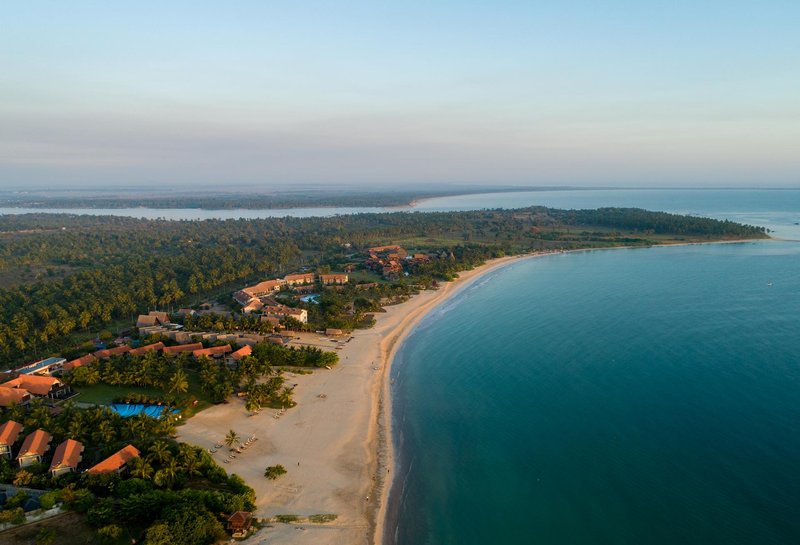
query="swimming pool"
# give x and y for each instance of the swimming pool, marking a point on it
(132, 409)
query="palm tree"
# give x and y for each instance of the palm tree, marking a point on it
(179, 383)
(105, 432)
(188, 459)
(167, 474)
(141, 469)
(231, 438)
(160, 451)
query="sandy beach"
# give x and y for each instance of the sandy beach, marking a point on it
(335, 444)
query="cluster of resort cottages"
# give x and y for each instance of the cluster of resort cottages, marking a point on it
(68, 455)
(384, 260)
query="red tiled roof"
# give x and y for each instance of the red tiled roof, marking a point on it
(107, 353)
(183, 348)
(213, 351)
(299, 278)
(35, 443)
(150, 347)
(329, 278)
(83, 360)
(242, 352)
(68, 454)
(9, 432)
(116, 460)
(263, 287)
(35, 384)
(13, 396)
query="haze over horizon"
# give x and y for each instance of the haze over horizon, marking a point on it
(328, 94)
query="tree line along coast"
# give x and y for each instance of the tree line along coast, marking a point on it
(246, 288)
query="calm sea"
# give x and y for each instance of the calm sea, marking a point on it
(618, 397)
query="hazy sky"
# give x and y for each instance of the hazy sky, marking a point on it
(638, 92)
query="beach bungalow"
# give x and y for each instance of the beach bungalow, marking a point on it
(34, 448)
(239, 523)
(117, 462)
(39, 386)
(66, 458)
(333, 279)
(9, 433)
(13, 396)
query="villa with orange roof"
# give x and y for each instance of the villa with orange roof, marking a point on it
(172, 350)
(149, 348)
(246, 350)
(39, 386)
(9, 433)
(34, 448)
(66, 458)
(116, 351)
(13, 396)
(117, 462)
(329, 279)
(299, 279)
(213, 352)
(78, 362)
(282, 311)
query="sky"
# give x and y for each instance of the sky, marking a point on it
(283, 94)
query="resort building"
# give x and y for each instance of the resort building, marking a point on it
(145, 320)
(34, 448)
(9, 433)
(67, 457)
(253, 305)
(42, 367)
(162, 317)
(213, 352)
(242, 352)
(117, 462)
(239, 523)
(78, 362)
(39, 386)
(172, 350)
(263, 288)
(108, 352)
(155, 347)
(331, 279)
(282, 311)
(298, 279)
(13, 396)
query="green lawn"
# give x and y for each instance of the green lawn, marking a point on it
(104, 394)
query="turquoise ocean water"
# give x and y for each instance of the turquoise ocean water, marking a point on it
(647, 396)
(627, 318)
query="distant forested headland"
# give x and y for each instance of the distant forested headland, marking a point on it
(278, 200)
(65, 278)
